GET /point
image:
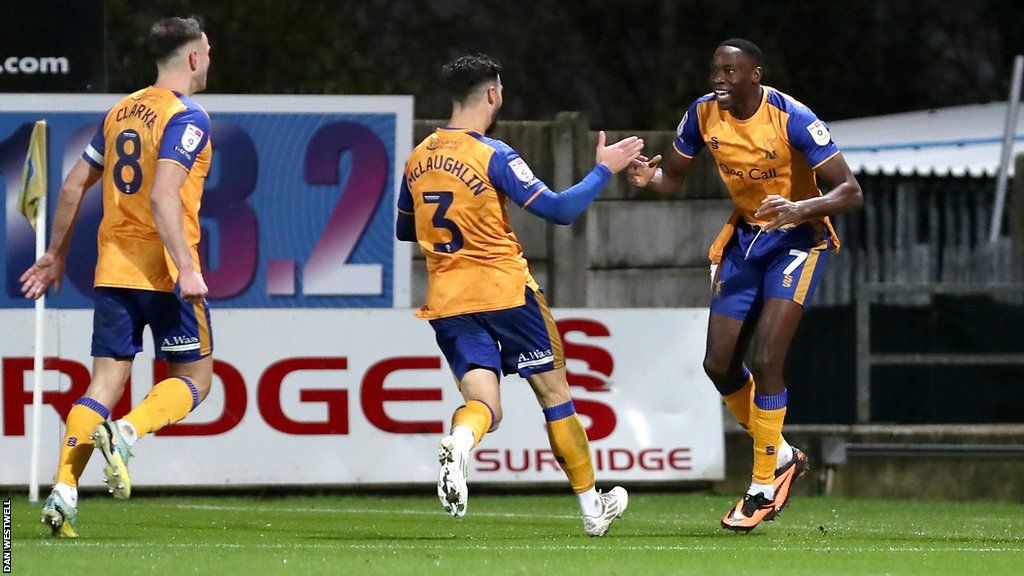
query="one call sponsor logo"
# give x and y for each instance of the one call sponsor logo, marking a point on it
(752, 174)
(35, 65)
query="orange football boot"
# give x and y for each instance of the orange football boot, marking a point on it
(787, 475)
(749, 512)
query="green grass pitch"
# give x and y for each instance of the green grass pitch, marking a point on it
(660, 534)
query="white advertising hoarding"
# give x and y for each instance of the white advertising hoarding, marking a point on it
(349, 396)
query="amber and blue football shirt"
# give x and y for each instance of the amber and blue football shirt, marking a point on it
(456, 186)
(775, 151)
(149, 126)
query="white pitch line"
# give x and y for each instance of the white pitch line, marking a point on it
(360, 511)
(448, 545)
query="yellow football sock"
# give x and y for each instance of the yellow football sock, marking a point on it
(768, 413)
(570, 445)
(168, 402)
(77, 447)
(741, 403)
(476, 416)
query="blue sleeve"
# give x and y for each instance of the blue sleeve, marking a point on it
(565, 207)
(405, 224)
(688, 140)
(93, 153)
(185, 136)
(810, 136)
(510, 174)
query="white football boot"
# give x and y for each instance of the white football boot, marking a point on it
(614, 505)
(451, 482)
(116, 451)
(60, 516)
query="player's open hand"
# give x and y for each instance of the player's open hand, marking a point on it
(192, 287)
(617, 156)
(781, 211)
(47, 271)
(642, 169)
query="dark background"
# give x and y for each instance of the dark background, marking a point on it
(629, 65)
(54, 28)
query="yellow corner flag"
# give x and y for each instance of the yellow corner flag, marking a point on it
(33, 176)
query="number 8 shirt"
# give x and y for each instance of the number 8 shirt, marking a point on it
(149, 126)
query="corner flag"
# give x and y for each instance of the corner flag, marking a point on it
(32, 203)
(33, 176)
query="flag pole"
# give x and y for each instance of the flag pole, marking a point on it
(37, 365)
(40, 325)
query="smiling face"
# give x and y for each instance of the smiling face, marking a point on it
(735, 77)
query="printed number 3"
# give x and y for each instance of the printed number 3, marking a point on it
(800, 257)
(444, 202)
(128, 159)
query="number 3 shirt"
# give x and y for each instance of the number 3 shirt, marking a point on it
(457, 184)
(150, 126)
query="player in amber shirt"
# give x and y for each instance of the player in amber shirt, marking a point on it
(773, 154)
(153, 153)
(487, 311)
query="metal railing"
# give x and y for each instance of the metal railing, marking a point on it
(867, 292)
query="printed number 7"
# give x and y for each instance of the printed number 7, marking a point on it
(800, 257)
(444, 202)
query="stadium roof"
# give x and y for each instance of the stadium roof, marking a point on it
(954, 141)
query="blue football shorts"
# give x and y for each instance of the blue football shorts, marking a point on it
(758, 265)
(522, 340)
(181, 330)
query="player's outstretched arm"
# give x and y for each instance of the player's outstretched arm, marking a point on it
(565, 207)
(658, 178)
(49, 269)
(165, 201)
(842, 193)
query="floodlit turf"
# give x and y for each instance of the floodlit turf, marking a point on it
(660, 534)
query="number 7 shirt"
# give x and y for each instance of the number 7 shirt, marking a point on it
(149, 126)
(457, 184)
(775, 151)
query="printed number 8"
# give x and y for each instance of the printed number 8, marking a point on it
(130, 160)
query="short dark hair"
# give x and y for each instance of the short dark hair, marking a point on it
(745, 46)
(465, 73)
(169, 34)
